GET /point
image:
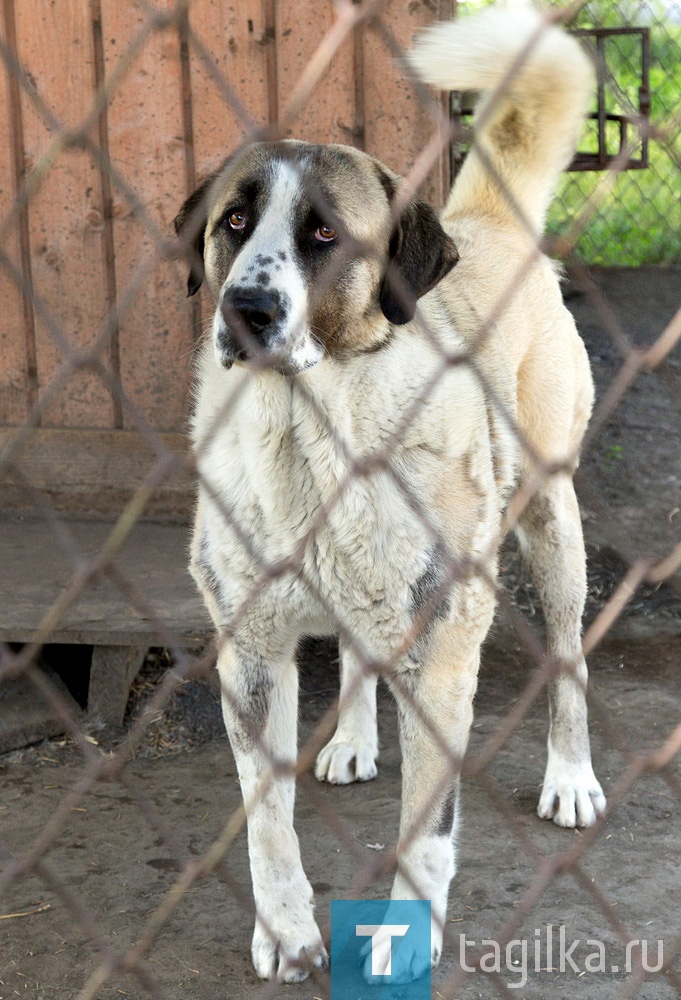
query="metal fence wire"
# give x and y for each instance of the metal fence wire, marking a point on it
(95, 948)
(637, 47)
(645, 200)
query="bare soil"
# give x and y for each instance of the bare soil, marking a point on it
(124, 845)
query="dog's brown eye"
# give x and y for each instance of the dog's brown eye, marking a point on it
(237, 220)
(325, 234)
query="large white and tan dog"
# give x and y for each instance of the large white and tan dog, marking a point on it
(365, 408)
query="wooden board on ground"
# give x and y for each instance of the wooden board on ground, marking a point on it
(91, 474)
(165, 610)
(153, 603)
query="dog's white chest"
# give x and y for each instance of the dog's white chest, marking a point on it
(279, 486)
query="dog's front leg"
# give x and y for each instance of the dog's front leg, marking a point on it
(435, 706)
(260, 705)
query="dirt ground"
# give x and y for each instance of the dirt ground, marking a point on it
(118, 858)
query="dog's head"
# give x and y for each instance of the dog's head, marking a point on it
(303, 256)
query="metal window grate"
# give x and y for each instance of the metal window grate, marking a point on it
(603, 156)
(461, 110)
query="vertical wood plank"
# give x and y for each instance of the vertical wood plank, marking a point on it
(329, 115)
(146, 146)
(236, 38)
(15, 324)
(54, 44)
(231, 56)
(397, 125)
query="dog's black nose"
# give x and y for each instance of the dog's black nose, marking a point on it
(256, 309)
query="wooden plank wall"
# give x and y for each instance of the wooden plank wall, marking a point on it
(87, 238)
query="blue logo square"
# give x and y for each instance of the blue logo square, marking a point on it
(377, 945)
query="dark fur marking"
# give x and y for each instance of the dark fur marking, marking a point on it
(447, 812)
(511, 131)
(540, 513)
(256, 705)
(281, 255)
(247, 193)
(495, 441)
(427, 593)
(252, 701)
(209, 579)
(263, 277)
(263, 261)
(429, 601)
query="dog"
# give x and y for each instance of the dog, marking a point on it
(376, 385)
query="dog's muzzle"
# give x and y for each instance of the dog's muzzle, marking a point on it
(250, 326)
(258, 326)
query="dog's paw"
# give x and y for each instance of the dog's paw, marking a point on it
(286, 947)
(571, 795)
(345, 760)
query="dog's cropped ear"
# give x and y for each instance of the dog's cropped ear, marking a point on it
(421, 254)
(190, 226)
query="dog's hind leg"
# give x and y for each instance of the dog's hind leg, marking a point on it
(550, 535)
(260, 705)
(351, 754)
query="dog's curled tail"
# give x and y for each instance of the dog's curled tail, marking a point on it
(537, 84)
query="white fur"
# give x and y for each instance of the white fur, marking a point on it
(275, 434)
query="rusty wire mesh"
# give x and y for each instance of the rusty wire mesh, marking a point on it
(101, 962)
(638, 55)
(646, 200)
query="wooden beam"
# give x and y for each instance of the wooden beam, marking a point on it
(90, 473)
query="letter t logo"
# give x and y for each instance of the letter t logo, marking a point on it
(381, 944)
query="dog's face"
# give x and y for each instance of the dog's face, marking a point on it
(300, 249)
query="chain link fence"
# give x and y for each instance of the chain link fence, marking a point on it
(87, 921)
(641, 224)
